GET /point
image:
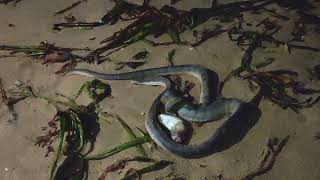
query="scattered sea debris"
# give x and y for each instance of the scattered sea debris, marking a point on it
(274, 86)
(207, 34)
(137, 173)
(151, 21)
(251, 40)
(73, 5)
(78, 125)
(131, 134)
(121, 164)
(140, 55)
(49, 53)
(316, 71)
(270, 154)
(122, 10)
(273, 148)
(134, 62)
(170, 57)
(14, 95)
(14, 2)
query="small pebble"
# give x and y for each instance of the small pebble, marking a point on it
(190, 48)
(142, 113)
(6, 169)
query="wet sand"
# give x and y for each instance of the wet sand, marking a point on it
(33, 19)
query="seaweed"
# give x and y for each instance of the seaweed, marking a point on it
(136, 174)
(208, 34)
(73, 5)
(133, 62)
(114, 15)
(119, 148)
(170, 57)
(273, 148)
(167, 20)
(14, 2)
(274, 86)
(78, 125)
(14, 95)
(316, 71)
(132, 136)
(243, 38)
(270, 153)
(121, 164)
(253, 40)
(49, 53)
(140, 55)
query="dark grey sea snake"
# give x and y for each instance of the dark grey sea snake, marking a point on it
(207, 111)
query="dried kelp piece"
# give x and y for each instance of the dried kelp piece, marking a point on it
(205, 35)
(316, 71)
(170, 57)
(48, 53)
(14, 2)
(134, 62)
(244, 38)
(274, 86)
(96, 89)
(57, 57)
(173, 2)
(246, 61)
(273, 148)
(67, 67)
(140, 55)
(73, 5)
(70, 18)
(121, 164)
(136, 174)
(300, 89)
(130, 64)
(121, 9)
(170, 21)
(270, 27)
(14, 95)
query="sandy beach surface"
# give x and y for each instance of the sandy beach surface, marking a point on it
(20, 159)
